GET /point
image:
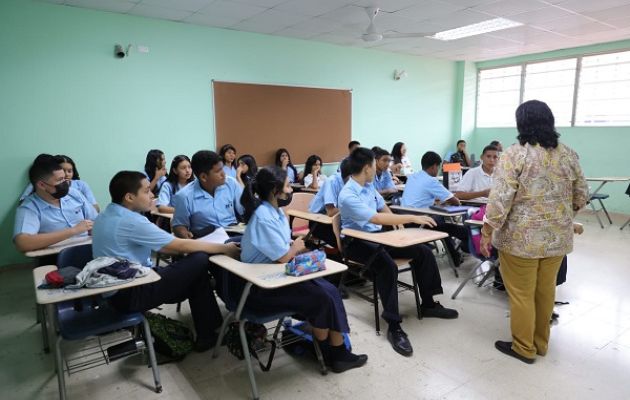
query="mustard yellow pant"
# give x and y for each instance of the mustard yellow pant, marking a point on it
(531, 288)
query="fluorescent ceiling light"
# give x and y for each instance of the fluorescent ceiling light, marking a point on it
(479, 28)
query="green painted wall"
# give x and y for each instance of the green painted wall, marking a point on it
(603, 151)
(64, 92)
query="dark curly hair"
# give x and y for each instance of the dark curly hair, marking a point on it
(536, 125)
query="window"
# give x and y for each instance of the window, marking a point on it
(498, 95)
(604, 90)
(602, 96)
(554, 83)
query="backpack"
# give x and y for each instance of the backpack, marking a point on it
(172, 339)
(256, 341)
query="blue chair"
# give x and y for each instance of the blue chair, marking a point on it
(476, 271)
(599, 197)
(91, 317)
(235, 303)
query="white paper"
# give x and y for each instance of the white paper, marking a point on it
(219, 236)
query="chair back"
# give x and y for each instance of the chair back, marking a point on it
(300, 202)
(336, 225)
(76, 256)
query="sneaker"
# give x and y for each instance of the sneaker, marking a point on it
(506, 348)
(438, 311)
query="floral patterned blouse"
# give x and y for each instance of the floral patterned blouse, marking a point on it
(533, 198)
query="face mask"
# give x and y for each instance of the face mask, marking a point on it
(285, 202)
(61, 189)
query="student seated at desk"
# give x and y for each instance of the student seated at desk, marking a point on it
(122, 231)
(400, 163)
(476, 184)
(155, 169)
(313, 177)
(53, 212)
(498, 145)
(383, 181)
(212, 200)
(461, 155)
(246, 170)
(422, 190)
(72, 176)
(326, 202)
(179, 176)
(228, 156)
(353, 144)
(267, 239)
(362, 208)
(283, 160)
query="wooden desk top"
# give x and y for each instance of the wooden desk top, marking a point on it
(474, 222)
(397, 238)
(610, 179)
(310, 190)
(426, 211)
(51, 296)
(57, 247)
(163, 215)
(238, 228)
(319, 218)
(271, 276)
(475, 202)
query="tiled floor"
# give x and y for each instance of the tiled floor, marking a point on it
(589, 356)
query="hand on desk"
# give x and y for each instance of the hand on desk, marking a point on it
(83, 226)
(298, 246)
(232, 250)
(424, 220)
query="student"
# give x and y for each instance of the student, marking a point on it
(476, 184)
(179, 176)
(326, 202)
(55, 211)
(498, 145)
(400, 163)
(246, 170)
(383, 181)
(155, 169)
(72, 175)
(422, 190)
(228, 156)
(461, 155)
(313, 177)
(122, 231)
(212, 200)
(364, 209)
(353, 144)
(283, 160)
(267, 239)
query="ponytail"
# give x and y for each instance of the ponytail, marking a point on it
(260, 188)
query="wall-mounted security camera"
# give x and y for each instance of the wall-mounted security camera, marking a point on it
(399, 74)
(121, 52)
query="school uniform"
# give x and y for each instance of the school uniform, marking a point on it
(475, 180)
(421, 191)
(229, 170)
(358, 204)
(384, 181)
(327, 195)
(308, 180)
(160, 181)
(36, 215)
(197, 209)
(120, 232)
(167, 192)
(78, 184)
(292, 173)
(267, 238)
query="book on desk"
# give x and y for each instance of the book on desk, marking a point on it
(450, 209)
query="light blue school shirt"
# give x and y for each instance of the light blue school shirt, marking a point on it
(384, 181)
(327, 194)
(358, 204)
(78, 184)
(36, 215)
(197, 209)
(267, 237)
(291, 174)
(160, 181)
(422, 189)
(120, 232)
(229, 171)
(165, 197)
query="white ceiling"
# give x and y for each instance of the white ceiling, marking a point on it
(549, 24)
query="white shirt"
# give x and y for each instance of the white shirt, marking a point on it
(308, 180)
(475, 180)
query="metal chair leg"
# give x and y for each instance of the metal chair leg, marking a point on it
(450, 258)
(152, 359)
(320, 357)
(416, 292)
(465, 281)
(248, 359)
(597, 215)
(624, 225)
(60, 372)
(228, 319)
(42, 318)
(377, 318)
(601, 203)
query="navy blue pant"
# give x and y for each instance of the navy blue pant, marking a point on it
(386, 272)
(317, 300)
(186, 279)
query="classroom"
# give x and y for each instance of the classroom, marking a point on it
(315, 199)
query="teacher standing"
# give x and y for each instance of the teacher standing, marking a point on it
(538, 188)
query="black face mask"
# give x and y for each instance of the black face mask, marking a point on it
(61, 190)
(285, 202)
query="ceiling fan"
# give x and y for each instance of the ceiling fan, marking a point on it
(372, 34)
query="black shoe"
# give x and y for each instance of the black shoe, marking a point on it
(438, 311)
(506, 348)
(398, 339)
(349, 362)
